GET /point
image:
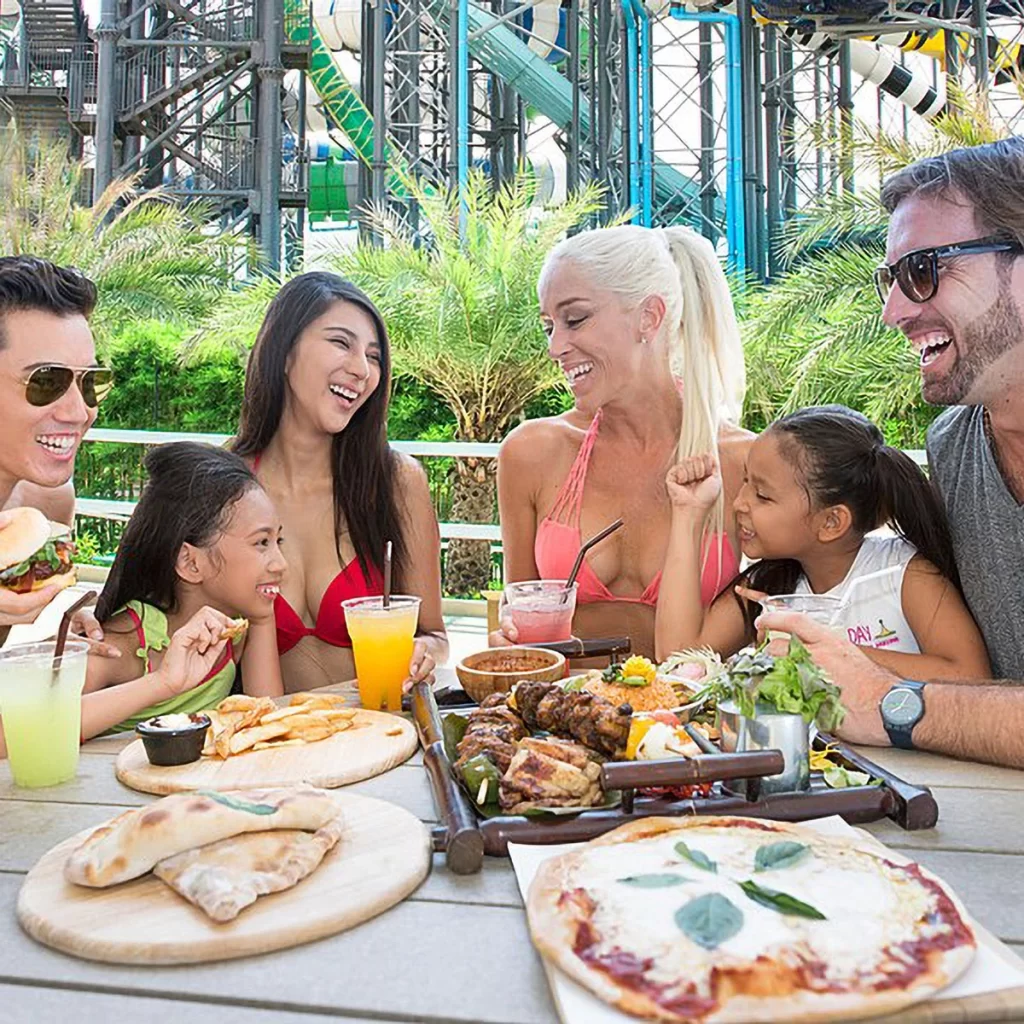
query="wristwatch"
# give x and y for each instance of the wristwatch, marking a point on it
(901, 709)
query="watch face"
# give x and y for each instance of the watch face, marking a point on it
(902, 707)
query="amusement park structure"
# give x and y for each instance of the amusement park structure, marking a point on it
(285, 116)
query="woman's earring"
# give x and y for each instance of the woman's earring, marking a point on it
(643, 340)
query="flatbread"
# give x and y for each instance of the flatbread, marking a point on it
(614, 916)
(225, 877)
(135, 841)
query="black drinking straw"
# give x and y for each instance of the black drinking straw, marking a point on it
(387, 575)
(577, 565)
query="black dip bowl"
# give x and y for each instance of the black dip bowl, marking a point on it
(166, 747)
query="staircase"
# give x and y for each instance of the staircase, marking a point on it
(42, 70)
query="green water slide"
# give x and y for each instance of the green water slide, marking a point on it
(504, 54)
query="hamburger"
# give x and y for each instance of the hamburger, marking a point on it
(35, 553)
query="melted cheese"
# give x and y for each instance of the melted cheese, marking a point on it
(866, 905)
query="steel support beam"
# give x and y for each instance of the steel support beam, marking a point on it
(268, 139)
(106, 96)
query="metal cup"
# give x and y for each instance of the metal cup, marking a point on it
(768, 730)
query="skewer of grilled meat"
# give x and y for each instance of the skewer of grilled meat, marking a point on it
(592, 720)
(550, 773)
(493, 729)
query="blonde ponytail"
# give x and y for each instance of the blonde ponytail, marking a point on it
(705, 352)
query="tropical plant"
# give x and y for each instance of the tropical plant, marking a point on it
(815, 335)
(149, 256)
(461, 312)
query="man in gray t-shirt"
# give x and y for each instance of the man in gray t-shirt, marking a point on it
(954, 285)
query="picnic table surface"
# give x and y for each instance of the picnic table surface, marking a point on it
(457, 950)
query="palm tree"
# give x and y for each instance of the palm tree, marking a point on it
(462, 316)
(461, 313)
(149, 257)
(815, 335)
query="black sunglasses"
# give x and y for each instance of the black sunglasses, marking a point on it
(917, 273)
(47, 384)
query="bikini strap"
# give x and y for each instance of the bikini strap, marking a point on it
(143, 650)
(569, 503)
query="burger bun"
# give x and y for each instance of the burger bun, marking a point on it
(26, 531)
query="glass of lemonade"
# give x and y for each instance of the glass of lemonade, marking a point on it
(382, 641)
(41, 711)
(541, 610)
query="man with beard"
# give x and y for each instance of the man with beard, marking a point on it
(50, 385)
(953, 283)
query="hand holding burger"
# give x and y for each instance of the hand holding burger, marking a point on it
(35, 564)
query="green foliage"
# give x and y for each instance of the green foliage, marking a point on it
(816, 336)
(462, 310)
(149, 256)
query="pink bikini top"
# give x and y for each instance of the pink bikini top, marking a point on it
(558, 540)
(330, 625)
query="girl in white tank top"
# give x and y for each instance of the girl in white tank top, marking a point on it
(818, 485)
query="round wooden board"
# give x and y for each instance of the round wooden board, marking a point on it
(382, 856)
(343, 758)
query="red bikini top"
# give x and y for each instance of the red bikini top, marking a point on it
(330, 623)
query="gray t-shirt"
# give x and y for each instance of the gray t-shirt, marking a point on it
(988, 532)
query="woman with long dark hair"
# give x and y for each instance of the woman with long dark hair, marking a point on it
(817, 484)
(314, 430)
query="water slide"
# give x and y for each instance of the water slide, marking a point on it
(503, 53)
(526, 67)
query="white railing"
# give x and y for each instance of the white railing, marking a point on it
(105, 508)
(109, 508)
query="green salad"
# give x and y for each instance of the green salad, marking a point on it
(792, 684)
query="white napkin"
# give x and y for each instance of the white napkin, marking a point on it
(48, 621)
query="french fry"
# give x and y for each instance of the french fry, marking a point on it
(245, 738)
(271, 744)
(311, 733)
(237, 702)
(275, 716)
(324, 701)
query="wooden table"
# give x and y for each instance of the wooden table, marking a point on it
(457, 950)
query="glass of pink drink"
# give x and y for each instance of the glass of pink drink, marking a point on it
(540, 610)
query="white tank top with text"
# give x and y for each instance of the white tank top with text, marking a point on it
(874, 615)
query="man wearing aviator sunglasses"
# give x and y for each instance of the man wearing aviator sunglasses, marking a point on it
(50, 387)
(953, 283)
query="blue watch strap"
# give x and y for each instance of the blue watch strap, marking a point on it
(902, 735)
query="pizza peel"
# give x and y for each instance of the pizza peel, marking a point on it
(383, 855)
(381, 743)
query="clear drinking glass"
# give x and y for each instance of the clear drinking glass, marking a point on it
(823, 608)
(41, 708)
(541, 610)
(382, 642)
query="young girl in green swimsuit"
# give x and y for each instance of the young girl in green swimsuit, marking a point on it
(202, 548)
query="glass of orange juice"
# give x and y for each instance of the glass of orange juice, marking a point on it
(382, 640)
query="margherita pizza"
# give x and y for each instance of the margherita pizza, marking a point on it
(715, 920)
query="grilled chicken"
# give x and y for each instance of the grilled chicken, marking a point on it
(492, 729)
(550, 773)
(592, 720)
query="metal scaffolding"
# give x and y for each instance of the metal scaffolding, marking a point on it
(699, 114)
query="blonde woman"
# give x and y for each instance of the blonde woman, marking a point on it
(642, 324)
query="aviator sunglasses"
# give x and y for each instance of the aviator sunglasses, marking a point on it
(917, 273)
(46, 384)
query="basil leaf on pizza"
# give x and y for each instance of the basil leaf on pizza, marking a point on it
(778, 855)
(780, 901)
(653, 881)
(709, 919)
(702, 860)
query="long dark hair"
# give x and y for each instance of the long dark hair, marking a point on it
(841, 458)
(362, 464)
(189, 494)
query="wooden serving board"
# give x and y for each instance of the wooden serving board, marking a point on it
(382, 856)
(345, 757)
